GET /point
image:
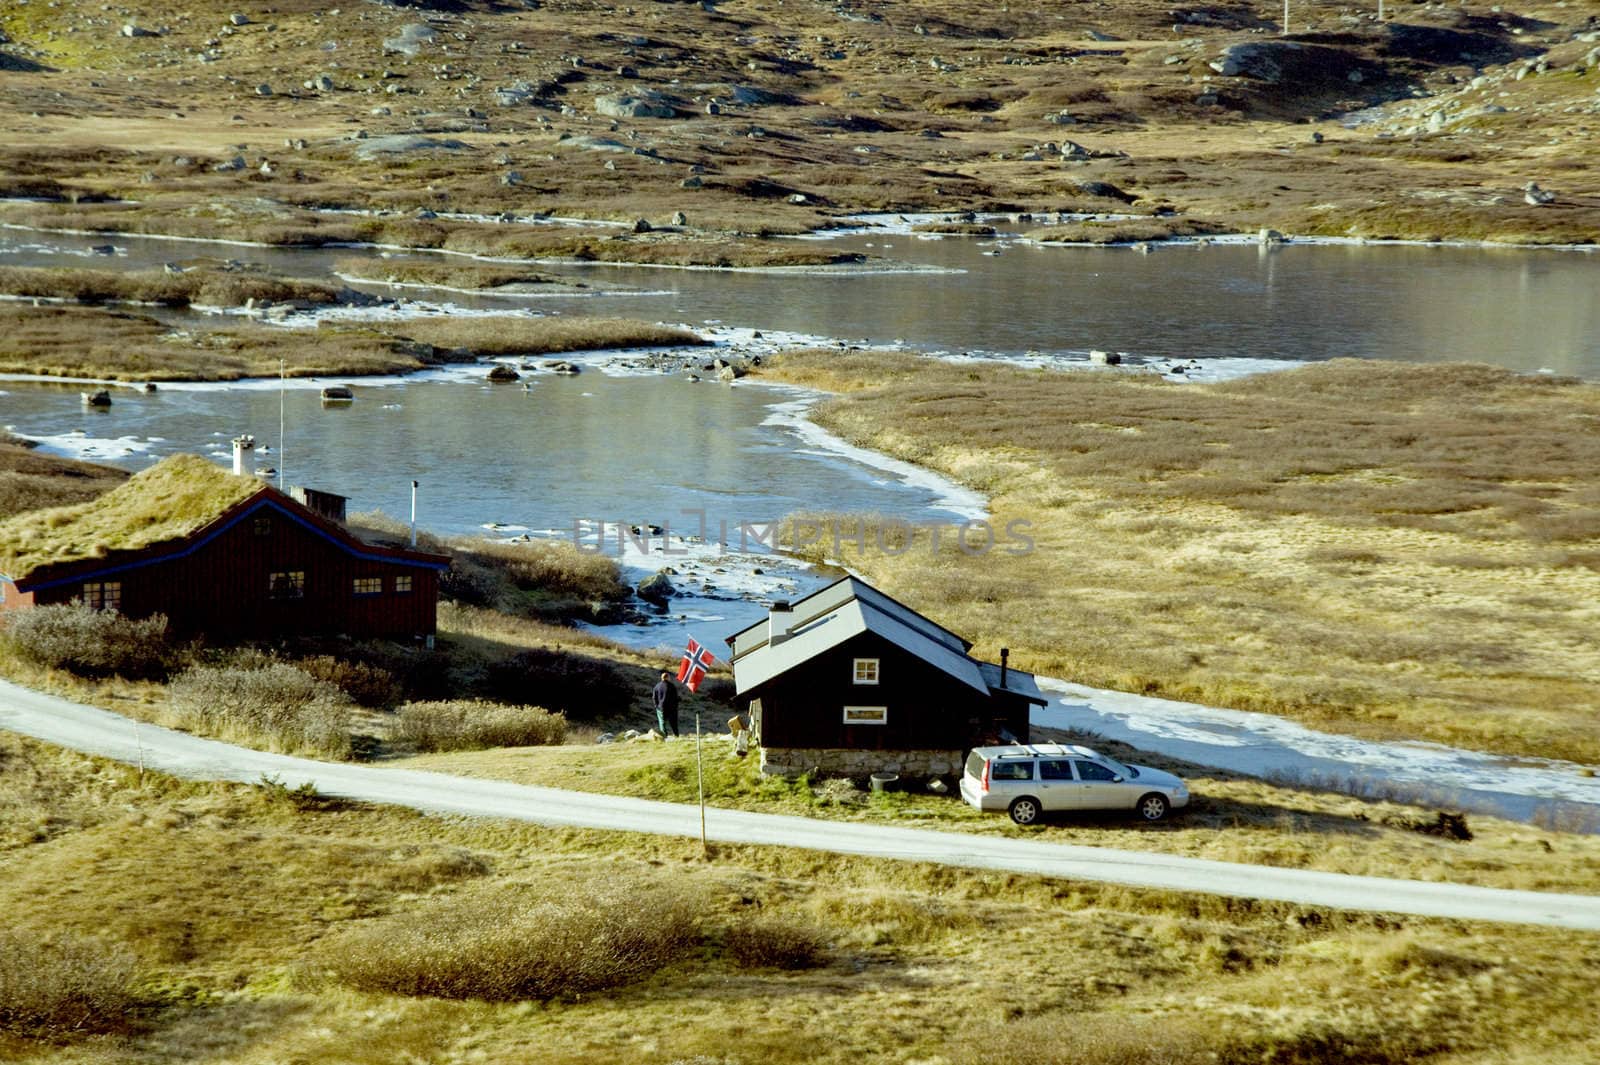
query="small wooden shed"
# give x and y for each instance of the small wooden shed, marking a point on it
(217, 553)
(849, 681)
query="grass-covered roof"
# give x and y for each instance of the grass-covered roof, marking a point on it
(170, 500)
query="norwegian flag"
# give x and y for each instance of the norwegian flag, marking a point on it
(696, 662)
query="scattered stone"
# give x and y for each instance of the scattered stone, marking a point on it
(679, 218)
(503, 373)
(798, 198)
(1534, 196)
(236, 163)
(263, 89)
(561, 366)
(1105, 358)
(511, 178)
(131, 29)
(642, 226)
(238, 20)
(1269, 236)
(690, 182)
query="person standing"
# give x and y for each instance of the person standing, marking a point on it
(666, 699)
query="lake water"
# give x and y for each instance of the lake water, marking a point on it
(630, 449)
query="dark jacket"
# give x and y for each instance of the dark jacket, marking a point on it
(666, 697)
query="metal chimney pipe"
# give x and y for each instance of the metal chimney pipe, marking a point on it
(1005, 656)
(413, 513)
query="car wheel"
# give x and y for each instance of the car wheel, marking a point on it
(1024, 811)
(1153, 807)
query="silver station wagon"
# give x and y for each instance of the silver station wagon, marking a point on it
(1026, 780)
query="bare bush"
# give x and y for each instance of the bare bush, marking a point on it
(62, 985)
(472, 724)
(776, 943)
(506, 944)
(285, 705)
(92, 643)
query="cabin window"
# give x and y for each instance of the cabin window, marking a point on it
(367, 586)
(287, 584)
(402, 585)
(263, 526)
(866, 715)
(865, 671)
(103, 595)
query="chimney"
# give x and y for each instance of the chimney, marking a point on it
(244, 455)
(1005, 656)
(779, 619)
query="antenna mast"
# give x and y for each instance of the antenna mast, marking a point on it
(283, 376)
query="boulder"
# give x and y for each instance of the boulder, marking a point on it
(1105, 358)
(131, 29)
(1269, 236)
(679, 218)
(407, 144)
(628, 105)
(511, 178)
(656, 589)
(503, 374)
(237, 19)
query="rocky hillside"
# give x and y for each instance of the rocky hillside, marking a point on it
(766, 116)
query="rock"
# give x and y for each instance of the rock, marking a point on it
(1316, 138)
(713, 108)
(411, 40)
(1269, 236)
(511, 178)
(798, 198)
(626, 105)
(938, 786)
(679, 218)
(424, 214)
(690, 182)
(1105, 190)
(1534, 196)
(171, 268)
(263, 89)
(1062, 118)
(238, 20)
(131, 29)
(236, 163)
(321, 83)
(407, 144)
(1105, 358)
(656, 589)
(640, 225)
(561, 366)
(606, 737)
(503, 373)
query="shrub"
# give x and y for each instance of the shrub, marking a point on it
(277, 702)
(90, 642)
(582, 688)
(776, 943)
(504, 944)
(471, 724)
(366, 684)
(60, 985)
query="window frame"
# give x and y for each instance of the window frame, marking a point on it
(861, 667)
(365, 593)
(881, 718)
(102, 595)
(295, 579)
(402, 584)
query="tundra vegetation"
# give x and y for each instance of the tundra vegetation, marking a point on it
(1382, 549)
(126, 344)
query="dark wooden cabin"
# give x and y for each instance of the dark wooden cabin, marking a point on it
(218, 554)
(848, 679)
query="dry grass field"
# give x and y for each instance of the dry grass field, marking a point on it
(1373, 548)
(155, 921)
(31, 481)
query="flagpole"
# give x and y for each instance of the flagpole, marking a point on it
(700, 777)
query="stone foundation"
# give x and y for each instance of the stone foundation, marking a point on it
(859, 765)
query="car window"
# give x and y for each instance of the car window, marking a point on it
(1094, 771)
(1011, 771)
(1055, 769)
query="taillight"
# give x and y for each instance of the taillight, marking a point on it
(985, 786)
